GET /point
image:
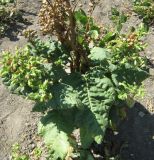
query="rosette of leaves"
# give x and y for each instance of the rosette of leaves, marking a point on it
(126, 59)
(8, 15)
(145, 9)
(27, 75)
(125, 51)
(78, 100)
(32, 71)
(49, 50)
(91, 96)
(3, 14)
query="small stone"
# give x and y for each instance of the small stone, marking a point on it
(90, 4)
(152, 58)
(39, 144)
(141, 114)
(151, 70)
(33, 146)
(91, 44)
(149, 53)
(1, 122)
(23, 148)
(27, 125)
(116, 133)
(30, 141)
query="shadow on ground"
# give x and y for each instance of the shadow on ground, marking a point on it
(15, 28)
(134, 139)
(137, 135)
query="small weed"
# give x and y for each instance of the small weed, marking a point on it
(145, 9)
(8, 15)
(16, 154)
(37, 152)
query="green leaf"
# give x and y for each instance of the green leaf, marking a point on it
(6, 1)
(94, 34)
(89, 128)
(119, 27)
(81, 17)
(108, 37)
(114, 11)
(129, 74)
(93, 94)
(99, 54)
(86, 155)
(97, 94)
(55, 127)
(123, 18)
(80, 39)
(64, 94)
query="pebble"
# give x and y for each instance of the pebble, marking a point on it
(33, 146)
(116, 133)
(151, 71)
(1, 122)
(27, 125)
(141, 114)
(23, 148)
(30, 141)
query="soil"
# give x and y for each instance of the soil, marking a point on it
(19, 124)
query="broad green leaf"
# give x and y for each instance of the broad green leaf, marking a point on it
(108, 37)
(129, 74)
(55, 128)
(93, 94)
(89, 128)
(65, 95)
(97, 94)
(86, 155)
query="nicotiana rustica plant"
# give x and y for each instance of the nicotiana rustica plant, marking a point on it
(78, 79)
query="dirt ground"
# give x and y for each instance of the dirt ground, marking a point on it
(18, 122)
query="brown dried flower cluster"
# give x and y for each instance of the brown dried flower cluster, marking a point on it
(132, 39)
(54, 17)
(57, 18)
